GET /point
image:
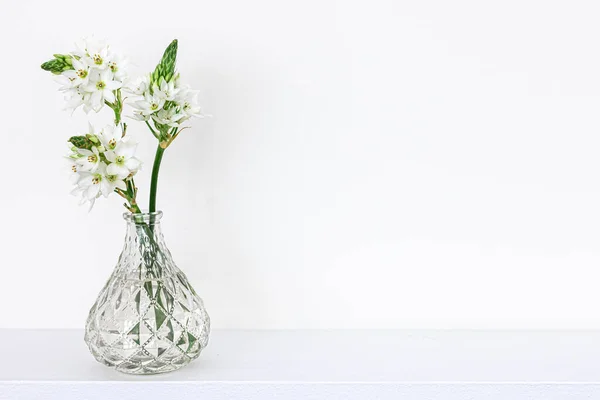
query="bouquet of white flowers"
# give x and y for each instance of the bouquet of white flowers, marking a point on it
(148, 318)
(103, 160)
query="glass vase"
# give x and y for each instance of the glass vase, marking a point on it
(147, 319)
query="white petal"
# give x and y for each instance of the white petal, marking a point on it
(106, 187)
(92, 201)
(118, 170)
(133, 164)
(126, 149)
(121, 184)
(96, 100)
(109, 96)
(92, 191)
(110, 156)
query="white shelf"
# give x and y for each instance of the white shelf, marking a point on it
(348, 365)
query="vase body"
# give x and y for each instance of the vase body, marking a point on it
(147, 319)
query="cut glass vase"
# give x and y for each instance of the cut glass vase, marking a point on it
(147, 319)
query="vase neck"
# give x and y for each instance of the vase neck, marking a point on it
(144, 241)
(152, 218)
(144, 225)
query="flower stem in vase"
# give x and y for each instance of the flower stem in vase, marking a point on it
(154, 180)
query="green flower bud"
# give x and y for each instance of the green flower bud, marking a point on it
(92, 138)
(57, 64)
(81, 142)
(166, 68)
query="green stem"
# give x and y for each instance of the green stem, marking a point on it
(154, 179)
(153, 131)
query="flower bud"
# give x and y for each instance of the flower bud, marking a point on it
(57, 65)
(166, 68)
(92, 138)
(81, 142)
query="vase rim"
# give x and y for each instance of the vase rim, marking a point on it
(143, 217)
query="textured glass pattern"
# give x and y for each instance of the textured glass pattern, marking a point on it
(147, 319)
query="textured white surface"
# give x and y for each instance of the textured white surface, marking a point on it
(320, 364)
(369, 163)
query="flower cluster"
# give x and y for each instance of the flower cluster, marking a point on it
(167, 103)
(89, 76)
(102, 162)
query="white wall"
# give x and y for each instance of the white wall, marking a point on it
(369, 164)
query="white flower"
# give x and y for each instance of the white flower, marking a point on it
(80, 75)
(138, 115)
(168, 117)
(188, 102)
(122, 160)
(97, 72)
(117, 65)
(90, 160)
(140, 86)
(90, 185)
(94, 52)
(104, 168)
(110, 183)
(81, 46)
(166, 90)
(74, 170)
(90, 182)
(64, 81)
(76, 97)
(110, 136)
(150, 103)
(101, 86)
(81, 191)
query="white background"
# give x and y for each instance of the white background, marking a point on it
(368, 164)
